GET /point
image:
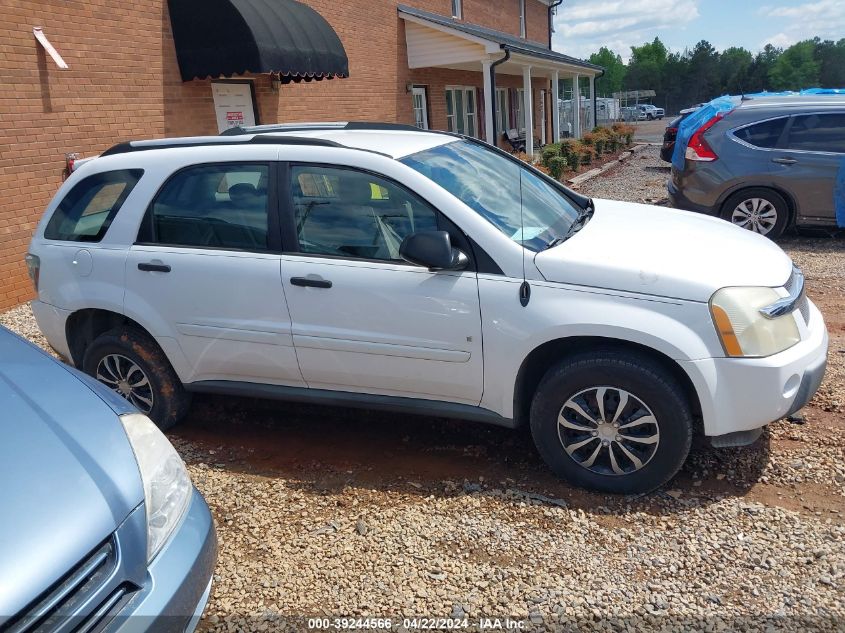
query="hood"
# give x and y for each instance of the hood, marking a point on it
(68, 471)
(665, 252)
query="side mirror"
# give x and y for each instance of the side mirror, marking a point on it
(432, 249)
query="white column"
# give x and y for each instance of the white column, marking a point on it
(555, 107)
(576, 107)
(489, 100)
(528, 108)
(593, 102)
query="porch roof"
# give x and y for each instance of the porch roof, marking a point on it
(486, 41)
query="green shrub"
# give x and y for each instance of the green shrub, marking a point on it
(557, 165)
(548, 153)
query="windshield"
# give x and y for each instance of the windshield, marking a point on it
(503, 191)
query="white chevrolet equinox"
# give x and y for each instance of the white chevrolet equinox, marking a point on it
(385, 267)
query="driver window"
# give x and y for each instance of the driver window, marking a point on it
(354, 214)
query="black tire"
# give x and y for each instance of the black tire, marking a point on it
(649, 117)
(772, 201)
(650, 384)
(124, 345)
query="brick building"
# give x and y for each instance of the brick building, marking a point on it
(436, 63)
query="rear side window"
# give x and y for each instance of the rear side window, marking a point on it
(212, 206)
(87, 211)
(818, 133)
(764, 134)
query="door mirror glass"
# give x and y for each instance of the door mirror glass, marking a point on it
(432, 249)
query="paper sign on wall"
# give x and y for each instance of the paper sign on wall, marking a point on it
(233, 104)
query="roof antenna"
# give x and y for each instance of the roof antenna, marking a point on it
(524, 287)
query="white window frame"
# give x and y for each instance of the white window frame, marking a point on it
(503, 110)
(457, 9)
(523, 29)
(469, 118)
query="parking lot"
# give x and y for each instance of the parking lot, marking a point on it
(329, 512)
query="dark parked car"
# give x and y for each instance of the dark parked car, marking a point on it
(100, 520)
(766, 164)
(672, 132)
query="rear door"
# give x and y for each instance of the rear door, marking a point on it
(364, 320)
(205, 273)
(809, 161)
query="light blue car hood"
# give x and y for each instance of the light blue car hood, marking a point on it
(68, 476)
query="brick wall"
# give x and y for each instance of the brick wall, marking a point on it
(124, 83)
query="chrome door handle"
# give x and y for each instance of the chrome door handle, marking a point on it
(310, 282)
(784, 161)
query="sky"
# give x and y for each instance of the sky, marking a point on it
(584, 26)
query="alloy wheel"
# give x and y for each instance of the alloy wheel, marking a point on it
(123, 376)
(608, 430)
(755, 214)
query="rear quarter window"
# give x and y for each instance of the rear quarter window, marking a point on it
(764, 134)
(87, 211)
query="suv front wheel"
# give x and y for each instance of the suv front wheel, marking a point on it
(612, 421)
(131, 363)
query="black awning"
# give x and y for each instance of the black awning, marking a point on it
(234, 37)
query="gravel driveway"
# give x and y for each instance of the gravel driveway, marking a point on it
(329, 512)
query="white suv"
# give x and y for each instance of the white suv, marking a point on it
(386, 267)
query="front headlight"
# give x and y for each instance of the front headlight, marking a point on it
(744, 330)
(167, 487)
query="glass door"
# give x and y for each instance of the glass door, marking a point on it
(420, 107)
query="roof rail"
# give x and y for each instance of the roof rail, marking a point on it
(205, 141)
(309, 127)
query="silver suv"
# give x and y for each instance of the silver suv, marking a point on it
(767, 164)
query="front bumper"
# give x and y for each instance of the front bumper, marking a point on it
(178, 580)
(742, 394)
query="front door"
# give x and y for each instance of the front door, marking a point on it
(363, 320)
(809, 164)
(420, 107)
(204, 274)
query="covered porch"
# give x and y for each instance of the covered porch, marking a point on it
(519, 86)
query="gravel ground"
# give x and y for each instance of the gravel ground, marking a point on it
(328, 512)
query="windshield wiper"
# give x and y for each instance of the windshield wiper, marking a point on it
(583, 217)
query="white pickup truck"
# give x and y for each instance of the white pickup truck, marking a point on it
(648, 112)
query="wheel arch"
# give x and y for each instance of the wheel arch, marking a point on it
(543, 357)
(84, 326)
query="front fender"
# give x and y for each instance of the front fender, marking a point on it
(681, 330)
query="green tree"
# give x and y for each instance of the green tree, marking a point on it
(614, 71)
(796, 68)
(645, 69)
(734, 70)
(703, 76)
(761, 68)
(831, 58)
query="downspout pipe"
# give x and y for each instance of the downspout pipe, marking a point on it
(495, 103)
(552, 8)
(596, 99)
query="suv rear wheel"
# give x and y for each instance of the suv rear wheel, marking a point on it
(760, 210)
(612, 421)
(132, 364)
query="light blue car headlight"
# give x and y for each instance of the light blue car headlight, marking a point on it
(167, 487)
